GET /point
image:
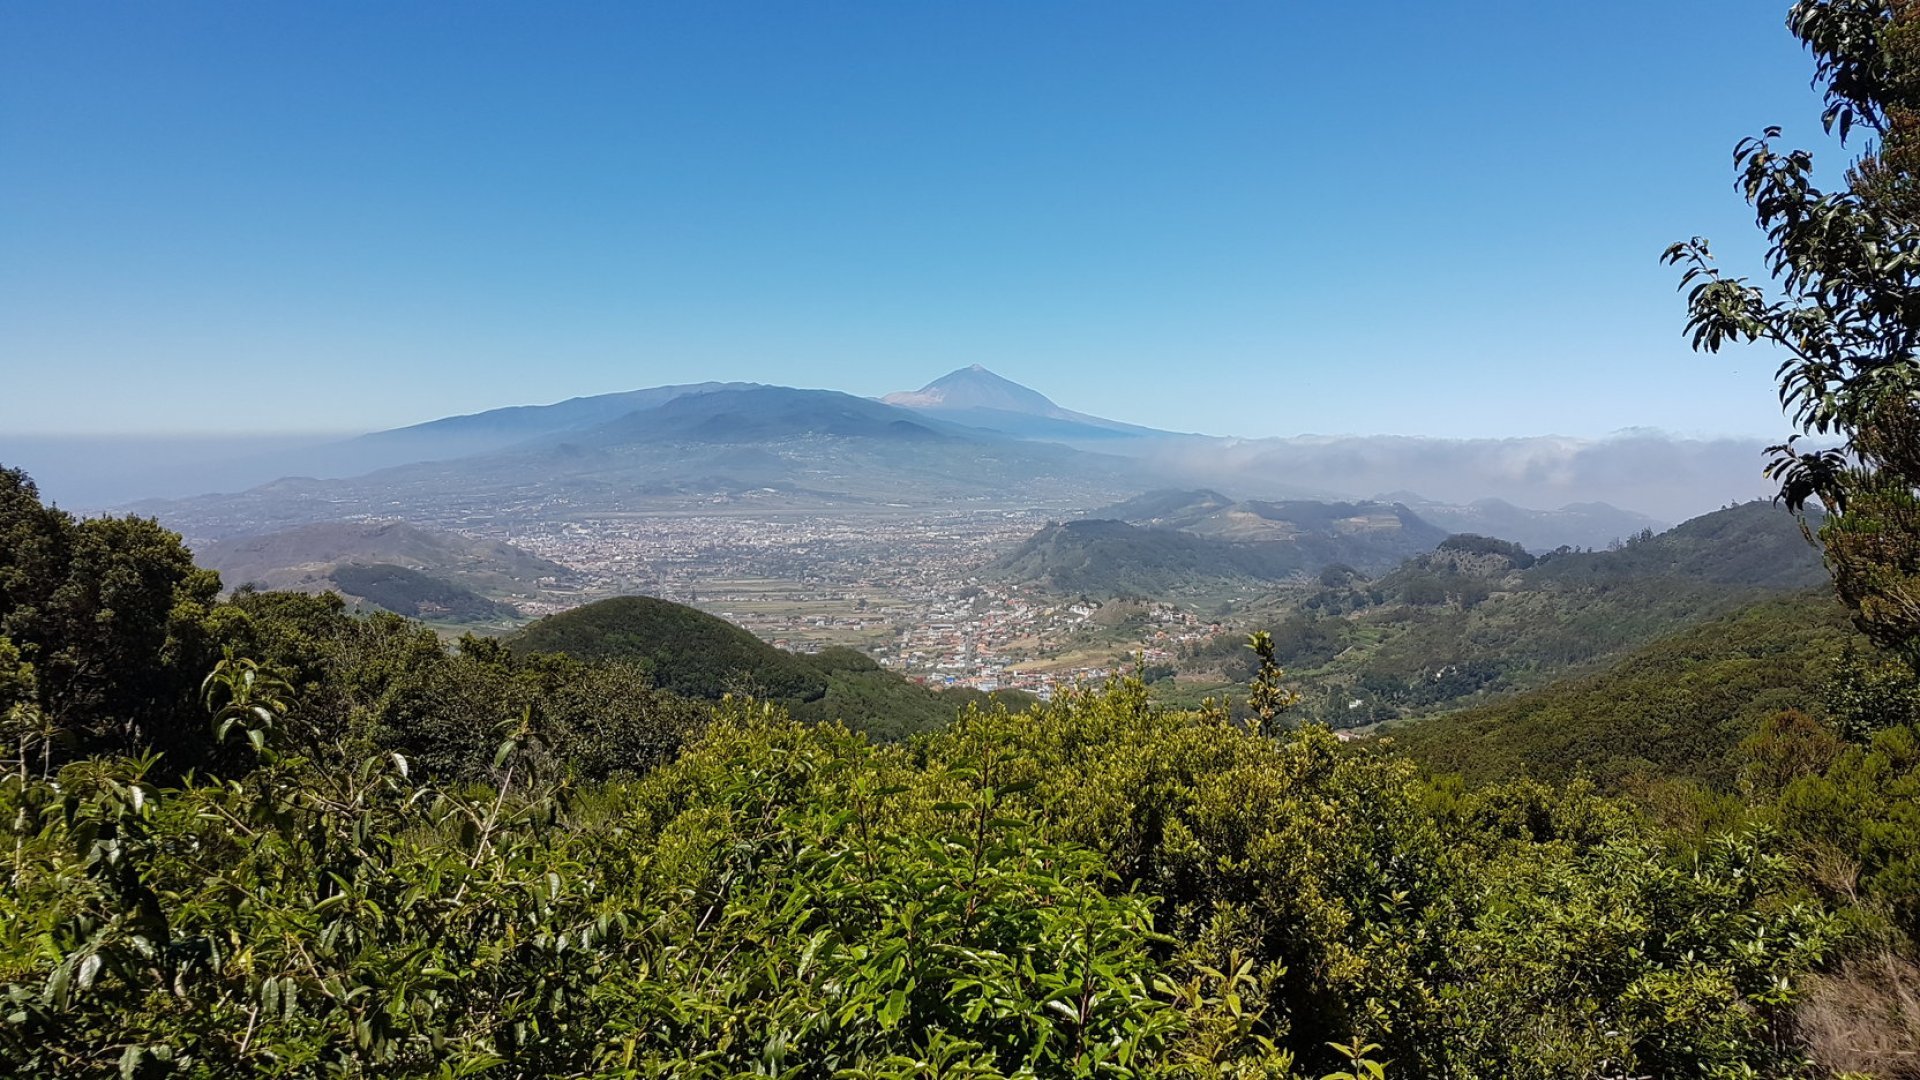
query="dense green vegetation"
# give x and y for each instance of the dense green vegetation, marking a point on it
(394, 858)
(264, 835)
(1092, 889)
(1680, 707)
(1838, 306)
(692, 653)
(1478, 618)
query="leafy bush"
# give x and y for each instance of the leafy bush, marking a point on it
(1096, 888)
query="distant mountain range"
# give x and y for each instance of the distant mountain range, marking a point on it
(494, 430)
(969, 438)
(1583, 525)
(774, 449)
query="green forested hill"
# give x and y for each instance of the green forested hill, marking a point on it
(1678, 707)
(694, 654)
(1459, 625)
(688, 651)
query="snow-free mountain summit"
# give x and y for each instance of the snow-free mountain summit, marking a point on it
(976, 397)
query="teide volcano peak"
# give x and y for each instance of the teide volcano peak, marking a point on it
(977, 388)
(978, 398)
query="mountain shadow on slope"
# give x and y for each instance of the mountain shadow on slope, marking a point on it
(767, 413)
(406, 591)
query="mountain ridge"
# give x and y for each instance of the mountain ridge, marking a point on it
(1284, 541)
(597, 454)
(418, 562)
(976, 397)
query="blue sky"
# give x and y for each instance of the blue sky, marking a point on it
(1241, 218)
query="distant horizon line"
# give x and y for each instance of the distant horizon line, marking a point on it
(323, 434)
(327, 434)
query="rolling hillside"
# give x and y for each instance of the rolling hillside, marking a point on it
(1203, 544)
(696, 655)
(408, 569)
(1676, 707)
(1466, 623)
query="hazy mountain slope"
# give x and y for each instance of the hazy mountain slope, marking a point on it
(1668, 477)
(1576, 525)
(1676, 707)
(486, 457)
(1755, 543)
(767, 413)
(1204, 512)
(1105, 434)
(1248, 544)
(770, 448)
(978, 398)
(306, 558)
(1579, 525)
(1113, 558)
(492, 430)
(1170, 508)
(975, 387)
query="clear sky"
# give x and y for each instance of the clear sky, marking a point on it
(1241, 218)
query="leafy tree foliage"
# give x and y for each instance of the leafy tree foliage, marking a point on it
(397, 858)
(1097, 888)
(109, 612)
(1845, 306)
(1474, 544)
